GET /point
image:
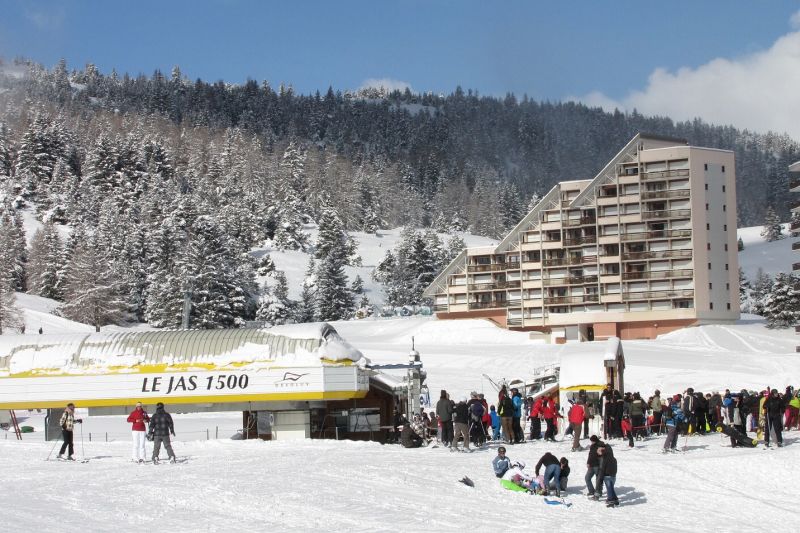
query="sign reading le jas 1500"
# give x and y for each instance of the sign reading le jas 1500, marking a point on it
(182, 383)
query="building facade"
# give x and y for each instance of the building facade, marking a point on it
(647, 246)
(794, 186)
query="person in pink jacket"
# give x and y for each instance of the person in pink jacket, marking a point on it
(137, 418)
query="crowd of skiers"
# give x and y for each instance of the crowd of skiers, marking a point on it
(629, 416)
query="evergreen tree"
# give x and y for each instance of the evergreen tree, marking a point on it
(745, 304)
(762, 286)
(306, 310)
(46, 263)
(772, 230)
(12, 248)
(782, 304)
(11, 318)
(334, 301)
(91, 292)
(275, 307)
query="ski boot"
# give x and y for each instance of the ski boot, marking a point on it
(173, 460)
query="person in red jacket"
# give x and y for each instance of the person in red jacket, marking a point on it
(536, 419)
(575, 416)
(138, 430)
(550, 412)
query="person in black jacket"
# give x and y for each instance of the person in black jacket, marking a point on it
(444, 410)
(607, 475)
(409, 437)
(592, 464)
(161, 427)
(774, 406)
(552, 471)
(461, 424)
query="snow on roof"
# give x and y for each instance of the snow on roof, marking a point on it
(613, 348)
(301, 345)
(583, 367)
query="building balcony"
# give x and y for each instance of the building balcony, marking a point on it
(665, 194)
(669, 213)
(495, 285)
(438, 308)
(579, 241)
(660, 234)
(796, 245)
(572, 280)
(795, 207)
(794, 226)
(495, 267)
(562, 300)
(795, 267)
(658, 295)
(497, 304)
(658, 274)
(562, 261)
(664, 254)
(664, 174)
(794, 185)
(583, 221)
(514, 322)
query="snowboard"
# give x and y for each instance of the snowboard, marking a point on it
(741, 440)
(556, 501)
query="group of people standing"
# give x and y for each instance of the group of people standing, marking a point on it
(161, 427)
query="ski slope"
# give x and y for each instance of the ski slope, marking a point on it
(349, 486)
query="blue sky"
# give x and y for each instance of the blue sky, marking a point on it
(600, 52)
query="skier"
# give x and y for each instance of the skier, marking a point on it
(793, 420)
(444, 410)
(495, 423)
(461, 424)
(638, 410)
(516, 398)
(656, 409)
(506, 411)
(552, 471)
(674, 418)
(535, 419)
(550, 412)
(773, 413)
(67, 423)
(138, 431)
(501, 463)
(476, 431)
(606, 475)
(161, 427)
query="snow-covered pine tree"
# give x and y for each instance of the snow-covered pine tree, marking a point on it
(535, 199)
(46, 263)
(762, 286)
(11, 318)
(6, 153)
(332, 238)
(275, 307)
(12, 246)
(782, 304)
(745, 303)
(306, 310)
(772, 230)
(422, 266)
(91, 292)
(334, 301)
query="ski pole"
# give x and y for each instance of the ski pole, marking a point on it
(52, 449)
(83, 455)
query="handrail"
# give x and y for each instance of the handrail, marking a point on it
(668, 213)
(658, 234)
(659, 274)
(635, 256)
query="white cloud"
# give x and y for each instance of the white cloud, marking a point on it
(46, 19)
(760, 91)
(386, 83)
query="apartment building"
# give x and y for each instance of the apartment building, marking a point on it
(647, 246)
(794, 186)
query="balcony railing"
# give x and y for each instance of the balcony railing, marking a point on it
(658, 295)
(588, 239)
(796, 245)
(488, 305)
(495, 285)
(658, 234)
(583, 221)
(561, 300)
(487, 268)
(439, 307)
(794, 225)
(562, 261)
(795, 267)
(664, 174)
(665, 194)
(793, 184)
(572, 280)
(664, 254)
(658, 274)
(671, 213)
(513, 321)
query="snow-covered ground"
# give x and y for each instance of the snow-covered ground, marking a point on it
(771, 257)
(349, 486)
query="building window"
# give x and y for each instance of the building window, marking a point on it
(711, 305)
(726, 247)
(724, 227)
(729, 306)
(723, 187)
(706, 186)
(705, 166)
(708, 226)
(723, 168)
(724, 207)
(708, 246)
(706, 207)
(727, 286)
(709, 266)
(710, 286)
(726, 266)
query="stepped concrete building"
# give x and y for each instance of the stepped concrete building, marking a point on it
(647, 246)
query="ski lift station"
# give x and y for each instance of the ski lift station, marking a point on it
(293, 381)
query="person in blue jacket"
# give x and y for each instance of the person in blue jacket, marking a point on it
(501, 463)
(674, 416)
(518, 436)
(495, 423)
